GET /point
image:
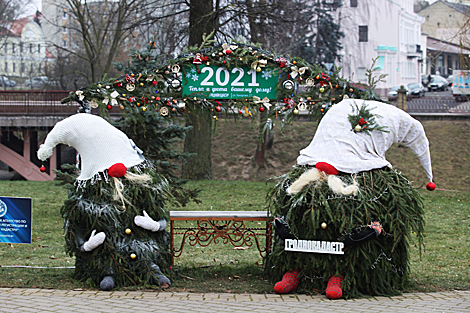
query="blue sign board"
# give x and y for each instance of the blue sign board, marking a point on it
(16, 217)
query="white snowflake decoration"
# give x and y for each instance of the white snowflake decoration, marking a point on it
(195, 77)
(267, 74)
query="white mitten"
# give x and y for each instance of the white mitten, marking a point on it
(146, 222)
(94, 241)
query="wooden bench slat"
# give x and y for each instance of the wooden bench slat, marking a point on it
(218, 214)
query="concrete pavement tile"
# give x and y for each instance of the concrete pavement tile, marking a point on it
(289, 298)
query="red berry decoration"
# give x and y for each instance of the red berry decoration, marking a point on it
(42, 169)
(109, 106)
(431, 186)
(154, 83)
(218, 108)
(225, 62)
(261, 109)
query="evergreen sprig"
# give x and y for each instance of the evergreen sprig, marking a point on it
(363, 120)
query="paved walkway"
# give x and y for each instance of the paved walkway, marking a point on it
(44, 300)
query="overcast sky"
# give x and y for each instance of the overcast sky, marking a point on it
(29, 7)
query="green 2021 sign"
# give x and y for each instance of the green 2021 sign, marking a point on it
(213, 82)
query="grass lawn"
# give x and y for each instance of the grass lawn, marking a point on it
(444, 264)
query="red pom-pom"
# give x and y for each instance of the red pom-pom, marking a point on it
(327, 168)
(117, 170)
(42, 169)
(431, 186)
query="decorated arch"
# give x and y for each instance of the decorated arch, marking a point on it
(236, 79)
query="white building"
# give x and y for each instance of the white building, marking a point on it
(387, 30)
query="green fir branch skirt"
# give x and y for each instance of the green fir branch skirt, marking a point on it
(376, 267)
(93, 208)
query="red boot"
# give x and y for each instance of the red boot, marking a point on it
(333, 289)
(289, 282)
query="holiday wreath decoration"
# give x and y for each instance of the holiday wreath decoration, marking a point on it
(237, 79)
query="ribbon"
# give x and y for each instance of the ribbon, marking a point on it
(297, 71)
(80, 95)
(264, 101)
(259, 63)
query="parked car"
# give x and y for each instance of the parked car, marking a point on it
(416, 89)
(438, 83)
(450, 80)
(393, 93)
(41, 82)
(8, 82)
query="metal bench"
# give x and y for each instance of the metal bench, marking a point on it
(229, 226)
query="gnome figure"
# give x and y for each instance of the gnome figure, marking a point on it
(345, 218)
(113, 218)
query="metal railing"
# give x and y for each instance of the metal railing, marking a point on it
(35, 102)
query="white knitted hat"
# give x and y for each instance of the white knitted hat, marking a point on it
(99, 144)
(336, 144)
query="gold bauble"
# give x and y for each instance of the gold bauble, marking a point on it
(322, 89)
(144, 109)
(323, 225)
(258, 69)
(133, 256)
(358, 128)
(128, 231)
(296, 111)
(246, 115)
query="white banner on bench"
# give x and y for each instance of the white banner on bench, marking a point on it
(314, 246)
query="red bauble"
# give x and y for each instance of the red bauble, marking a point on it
(431, 186)
(154, 83)
(117, 170)
(42, 169)
(228, 51)
(109, 106)
(225, 62)
(239, 112)
(327, 168)
(261, 109)
(218, 108)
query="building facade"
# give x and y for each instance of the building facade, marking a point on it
(23, 52)
(388, 32)
(448, 41)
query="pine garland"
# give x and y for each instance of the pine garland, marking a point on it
(377, 267)
(93, 207)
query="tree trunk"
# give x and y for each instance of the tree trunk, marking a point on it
(198, 139)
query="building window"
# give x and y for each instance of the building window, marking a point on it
(22, 68)
(361, 73)
(6, 48)
(40, 67)
(12, 48)
(39, 48)
(353, 3)
(6, 67)
(21, 47)
(31, 48)
(64, 43)
(32, 68)
(363, 33)
(64, 14)
(64, 30)
(14, 67)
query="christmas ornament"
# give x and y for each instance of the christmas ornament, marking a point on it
(309, 82)
(358, 128)
(133, 256)
(261, 109)
(297, 71)
(176, 83)
(323, 225)
(109, 106)
(164, 111)
(80, 95)
(144, 109)
(296, 112)
(288, 85)
(218, 108)
(42, 168)
(430, 186)
(128, 231)
(93, 104)
(264, 102)
(175, 68)
(154, 83)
